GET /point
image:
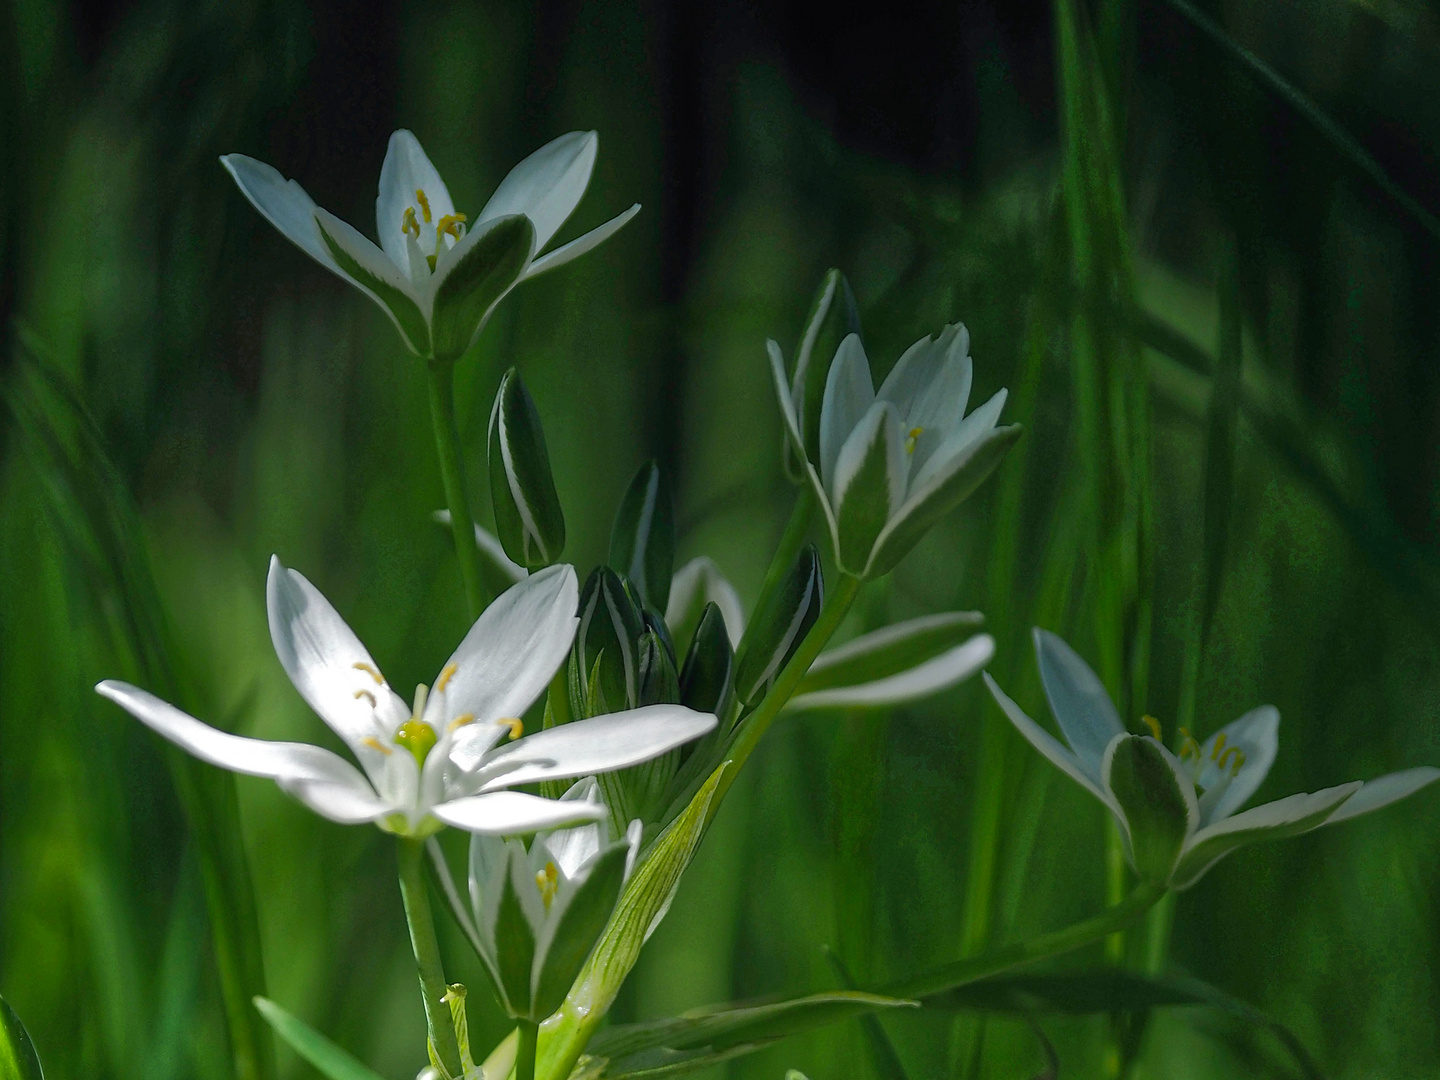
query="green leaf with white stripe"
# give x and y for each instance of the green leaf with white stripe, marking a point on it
(528, 516)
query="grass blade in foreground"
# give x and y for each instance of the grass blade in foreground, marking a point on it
(328, 1059)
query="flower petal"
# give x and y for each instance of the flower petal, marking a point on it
(547, 185)
(849, 393)
(581, 244)
(958, 440)
(511, 652)
(1051, 747)
(326, 662)
(513, 813)
(868, 485)
(1158, 801)
(490, 546)
(370, 270)
(1384, 790)
(599, 744)
(697, 583)
(930, 386)
(342, 803)
(784, 397)
(283, 203)
(930, 677)
(1257, 736)
(1078, 699)
(573, 848)
(407, 170)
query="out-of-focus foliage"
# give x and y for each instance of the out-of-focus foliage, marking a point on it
(1285, 323)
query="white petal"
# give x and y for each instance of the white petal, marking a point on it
(784, 397)
(289, 762)
(700, 582)
(1385, 790)
(599, 744)
(938, 673)
(407, 170)
(581, 244)
(930, 383)
(1257, 735)
(574, 848)
(513, 813)
(371, 259)
(958, 442)
(343, 803)
(449, 258)
(849, 393)
(511, 652)
(283, 203)
(327, 663)
(1082, 708)
(547, 185)
(1051, 747)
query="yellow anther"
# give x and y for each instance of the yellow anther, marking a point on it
(450, 223)
(445, 677)
(375, 744)
(912, 437)
(1188, 746)
(514, 723)
(408, 224)
(360, 665)
(547, 881)
(367, 695)
(1219, 748)
(460, 721)
(1239, 756)
(1153, 724)
(424, 205)
(418, 737)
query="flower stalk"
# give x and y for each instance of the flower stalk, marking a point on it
(529, 1035)
(789, 547)
(411, 858)
(452, 473)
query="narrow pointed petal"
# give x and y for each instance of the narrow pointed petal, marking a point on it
(1385, 790)
(573, 848)
(1268, 821)
(472, 278)
(849, 393)
(930, 386)
(1051, 747)
(407, 170)
(281, 202)
(599, 744)
(511, 652)
(370, 270)
(930, 677)
(547, 185)
(868, 485)
(491, 548)
(582, 244)
(513, 813)
(1158, 801)
(697, 583)
(958, 441)
(1078, 699)
(343, 803)
(326, 662)
(1257, 736)
(784, 397)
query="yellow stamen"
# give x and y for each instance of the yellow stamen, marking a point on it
(424, 205)
(408, 224)
(445, 677)
(1219, 748)
(418, 737)
(460, 721)
(1153, 724)
(453, 992)
(360, 665)
(367, 695)
(375, 744)
(514, 723)
(450, 223)
(912, 437)
(1239, 760)
(1188, 746)
(547, 881)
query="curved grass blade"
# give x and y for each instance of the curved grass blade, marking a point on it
(328, 1059)
(18, 1060)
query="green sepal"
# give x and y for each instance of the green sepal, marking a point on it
(18, 1060)
(571, 934)
(509, 931)
(891, 651)
(605, 650)
(873, 492)
(707, 680)
(1157, 813)
(642, 540)
(528, 517)
(475, 284)
(776, 630)
(833, 317)
(403, 310)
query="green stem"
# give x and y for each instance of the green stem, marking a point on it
(452, 473)
(789, 546)
(427, 954)
(959, 972)
(529, 1033)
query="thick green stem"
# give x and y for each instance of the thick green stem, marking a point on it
(452, 473)
(959, 972)
(525, 1050)
(427, 954)
(789, 546)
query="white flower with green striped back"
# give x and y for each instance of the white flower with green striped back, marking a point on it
(437, 273)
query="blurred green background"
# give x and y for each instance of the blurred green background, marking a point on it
(1219, 320)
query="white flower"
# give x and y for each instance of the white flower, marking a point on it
(1181, 815)
(891, 463)
(438, 274)
(441, 762)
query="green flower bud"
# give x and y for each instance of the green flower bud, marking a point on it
(776, 630)
(528, 517)
(604, 674)
(707, 682)
(642, 541)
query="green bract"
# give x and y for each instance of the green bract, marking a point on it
(642, 540)
(890, 463)
(528, 517)
(1178, 812)
(777, 629)
(437, 274)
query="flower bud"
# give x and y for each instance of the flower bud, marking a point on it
(528, 517)
(777, 629)
(707, 681)
(604, 673)
(642, 541)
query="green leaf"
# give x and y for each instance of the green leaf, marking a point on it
(572, 933)
(408, 317)
(708, 679)
(18, 1060)
(884, 1058)
(328, 1059)
(475, 284)
(891, 651)
(1146, 787)
(642, 540)
(778, 628)
(528, 517)
(833, 317)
